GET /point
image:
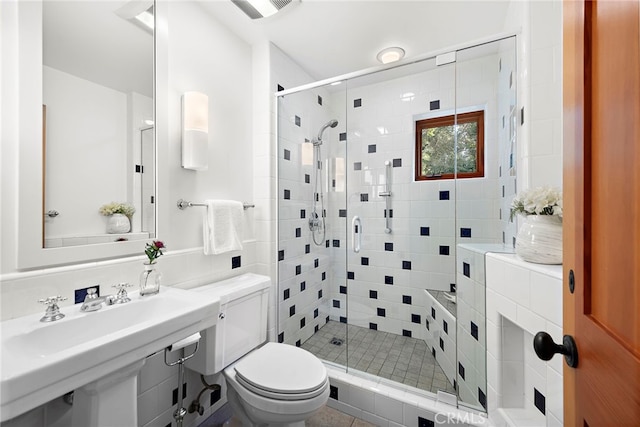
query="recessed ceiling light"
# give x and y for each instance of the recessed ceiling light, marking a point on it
(390, 54)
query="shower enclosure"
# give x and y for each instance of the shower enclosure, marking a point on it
(380, 177)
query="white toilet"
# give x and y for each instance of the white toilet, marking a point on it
(273, 385)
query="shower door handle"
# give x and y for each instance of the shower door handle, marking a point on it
(356, 229)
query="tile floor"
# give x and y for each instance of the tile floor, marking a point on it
(325, 417)
(329, 417)
(402, 359)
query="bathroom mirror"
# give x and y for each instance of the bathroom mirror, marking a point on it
(97, 74)
(46, 165)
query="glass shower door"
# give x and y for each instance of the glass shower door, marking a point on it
(311, 222)
(405, 230)
(389, 185)
(486, 82)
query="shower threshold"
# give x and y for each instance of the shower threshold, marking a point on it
(398, 358)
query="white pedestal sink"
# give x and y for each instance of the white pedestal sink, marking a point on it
(99, 403)
(98, 353)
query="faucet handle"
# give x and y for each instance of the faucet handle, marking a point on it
(122, 296)
(52, 300)
(53, 311)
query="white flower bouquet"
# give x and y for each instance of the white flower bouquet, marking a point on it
(537, 201)
(117, 208)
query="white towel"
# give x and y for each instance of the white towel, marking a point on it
(222, 226)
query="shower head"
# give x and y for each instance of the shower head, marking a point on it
(330, 124)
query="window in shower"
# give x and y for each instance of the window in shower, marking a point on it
(436, 154)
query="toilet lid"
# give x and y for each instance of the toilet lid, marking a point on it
(282, 369)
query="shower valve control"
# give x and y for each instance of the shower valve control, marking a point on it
(314, 222)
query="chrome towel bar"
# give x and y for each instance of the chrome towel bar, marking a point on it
(183, 204)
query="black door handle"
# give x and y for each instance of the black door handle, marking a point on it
(545, 348)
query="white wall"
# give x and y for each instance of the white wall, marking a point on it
(222, 71)
(140, 184)
(86, 130)
(92, 131)
(539, 24)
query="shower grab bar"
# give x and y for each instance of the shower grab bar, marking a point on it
(183, 204)
(356, 228)
(387, 195)
(387, 175)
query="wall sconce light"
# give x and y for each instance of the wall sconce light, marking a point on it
(195, 131)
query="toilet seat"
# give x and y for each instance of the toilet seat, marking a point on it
(282, 372)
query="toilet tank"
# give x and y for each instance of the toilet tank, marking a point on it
(242, 323)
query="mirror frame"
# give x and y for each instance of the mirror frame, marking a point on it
(31, 253)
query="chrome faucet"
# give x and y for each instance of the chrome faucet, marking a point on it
(93, 302)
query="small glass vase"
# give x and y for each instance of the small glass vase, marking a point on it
(150, 279)
(539, 239)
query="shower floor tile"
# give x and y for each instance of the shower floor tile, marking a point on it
(395, 357)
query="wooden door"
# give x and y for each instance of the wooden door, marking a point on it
(602, 210)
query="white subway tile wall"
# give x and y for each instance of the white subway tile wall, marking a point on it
(525, 389)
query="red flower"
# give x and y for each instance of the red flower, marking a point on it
(153, 250)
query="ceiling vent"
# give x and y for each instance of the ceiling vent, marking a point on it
(256, 9)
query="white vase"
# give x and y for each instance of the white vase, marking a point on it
(118, 223)
(539, 239)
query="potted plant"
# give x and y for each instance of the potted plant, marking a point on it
(539, 238)
(119, 216)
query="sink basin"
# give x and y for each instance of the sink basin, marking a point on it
(41, 361)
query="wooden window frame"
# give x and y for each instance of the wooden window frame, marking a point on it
(474, 116)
